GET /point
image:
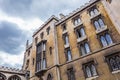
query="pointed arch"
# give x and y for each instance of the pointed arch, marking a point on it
(2, 76)
(14, 77)
(49, 77)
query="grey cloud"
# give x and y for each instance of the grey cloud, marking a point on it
(11, 38)
(39, 8)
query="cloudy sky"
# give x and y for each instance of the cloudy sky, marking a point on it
(20, 18)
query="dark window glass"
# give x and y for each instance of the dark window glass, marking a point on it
(49, 77)
(42, 35)
(114, 62)
(15, 77)
(48, 30)
(71, 74)
(80, 32)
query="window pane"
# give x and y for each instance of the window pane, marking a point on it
(82, 50)
(91, 13)
(113, 64)
(66, 40)
(108, 38)
(78, 33)
(88, 72)
(118, 61)
(101, 23)
(87, 48)
(104, 43)
(96, 25)
(96, 11)
(82, 32)
(94, 73)
(79, 20)
(69, 55)
(44, 63)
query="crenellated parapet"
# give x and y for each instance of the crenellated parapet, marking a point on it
(11, 70)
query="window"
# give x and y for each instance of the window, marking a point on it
(66, 39)
(64, 27)
(84, 48)
(50, 49)
(48, 30)
(68, 55)
(15, 77)
(90, 69)
(36, 40)
(77, 21)
(106, 39)
(41, 35)
(2, 77)
(99, 24)
(71, 74)
(28, 52)
(93, 11)
(41, 56)
(114, 61)
(49, 77)
(80, 32)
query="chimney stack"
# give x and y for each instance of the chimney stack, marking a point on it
(62, 15)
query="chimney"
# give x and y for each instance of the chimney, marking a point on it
(62, 15)
(27, 43)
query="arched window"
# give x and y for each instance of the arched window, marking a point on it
(82, 49)
(93, 69)
(96, 24)
(113, 64)
(91, 13)
(103, 41)
(49, 77)
(101, 23)
(82, 32)
(87, 48)
(88, 72)
(2, 76)
(14, 77)
(96, 11)
(108, 38)
(66, 40)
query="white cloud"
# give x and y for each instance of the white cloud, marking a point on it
(28, 25)
(11, 59)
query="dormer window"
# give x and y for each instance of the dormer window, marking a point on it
(41, 35)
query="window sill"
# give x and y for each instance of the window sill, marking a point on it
(64, 32)
(92, 78)
(75, 26)
(101, 29)
(86, 54)
(81, 39)
(66, 45)
(115, 72)
(94, 16)
(108, 46)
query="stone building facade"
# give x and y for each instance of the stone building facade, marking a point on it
(84, 45)
(11, 74)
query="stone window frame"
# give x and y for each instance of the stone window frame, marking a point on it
(2, 76)
(81, 43)
(16, 77)
(66, 54)
(50, 50)
(48, 30)
(92, 9)
(108, 62)
(64, 26)
(71, 71)
(89, 63)
(76, 18)
(63, 36)
(103, 33)
(41, 35)
(79, 27)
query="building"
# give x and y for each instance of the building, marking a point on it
(84, 45)
(11, 74)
